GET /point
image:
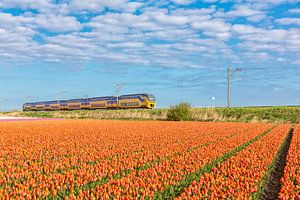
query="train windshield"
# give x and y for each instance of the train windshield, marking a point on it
(151, 98)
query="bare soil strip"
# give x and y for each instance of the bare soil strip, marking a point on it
(273, 185)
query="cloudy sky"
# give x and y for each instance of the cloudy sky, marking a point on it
(177, 50)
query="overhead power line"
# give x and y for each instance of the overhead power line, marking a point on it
(230, 72)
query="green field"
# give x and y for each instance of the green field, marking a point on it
(282, 114)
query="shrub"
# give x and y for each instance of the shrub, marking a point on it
(180, 112)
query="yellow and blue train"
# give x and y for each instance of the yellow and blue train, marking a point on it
(109, 102)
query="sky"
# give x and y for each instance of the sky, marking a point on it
(178, 50)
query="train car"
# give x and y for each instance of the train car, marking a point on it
(75, 104)
(33, 106)
(40, 106)
(63, 105)
(47, 105)
(54, 105)
(137, 101)
(108, 102)
(27, 106)
(101, 102)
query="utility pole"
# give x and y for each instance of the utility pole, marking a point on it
(117, 94)
(229, 73)
(228, 86)
(118, 87)
(85, 102)
(60, 94)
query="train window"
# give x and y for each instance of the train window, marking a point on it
(151, 97)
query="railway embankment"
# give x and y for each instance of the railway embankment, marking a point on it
(282, 114)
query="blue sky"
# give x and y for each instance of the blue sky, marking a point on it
(177, 50)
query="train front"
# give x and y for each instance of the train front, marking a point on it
(151, 101)
(26, 106)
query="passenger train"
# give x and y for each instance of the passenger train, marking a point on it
(109, 102)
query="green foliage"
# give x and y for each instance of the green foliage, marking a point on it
(43, 114)
(281, 114)
(180, 112)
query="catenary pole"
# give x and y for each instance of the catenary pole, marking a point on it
(118, 87)
(229, 73)
(60, 94)
(117, 94)
(228, 86)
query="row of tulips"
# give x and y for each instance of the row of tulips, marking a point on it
(50, 158)
(240, 176)
(151, 181)
(109, 140)
(290, 188)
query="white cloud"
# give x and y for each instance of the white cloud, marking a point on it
(57, 23)
(267, 40)
(170, 34)
(210, 1)
(97, 6)
(159, 33)
(294, 10)
(193, 12)
(257, 56)
(50, 22)
(183, 2)
(281, 59)
(25, 4)
(244, 29)
(243, 11)
(251, 14)
(288, 21)
(72, 40)
(214, 28)
(296, 62)
(256, 18)
(263, 5)
(164, 19)
(15, 36)
(78, 6)
(125, 45)
(131, 6)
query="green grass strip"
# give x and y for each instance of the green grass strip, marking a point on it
(172, 191)
(272, 167)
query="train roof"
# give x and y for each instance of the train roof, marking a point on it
(105, 97)
(142, 94)
(44, 102)
(76, 100)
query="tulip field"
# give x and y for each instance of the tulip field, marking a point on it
(102, 159)
(291, 180)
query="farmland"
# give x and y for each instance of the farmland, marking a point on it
(92, 159)
(291, 178)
